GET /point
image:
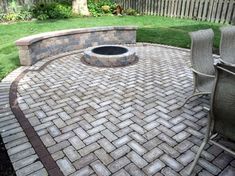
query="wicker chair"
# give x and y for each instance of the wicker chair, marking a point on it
(222, 110)
(227, 45)
(202, 62)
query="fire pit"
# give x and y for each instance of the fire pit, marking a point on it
(109, 56)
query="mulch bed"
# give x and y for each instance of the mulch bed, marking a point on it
(6, 168)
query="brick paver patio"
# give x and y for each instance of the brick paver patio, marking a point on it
(107, 121)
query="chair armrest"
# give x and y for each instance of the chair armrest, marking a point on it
(202, 74)
(226, 63)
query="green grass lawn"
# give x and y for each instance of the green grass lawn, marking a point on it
(152, 29)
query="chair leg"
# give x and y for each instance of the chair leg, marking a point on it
(195, 94)
(198, 155)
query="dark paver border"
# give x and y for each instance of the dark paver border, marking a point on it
(40, 149)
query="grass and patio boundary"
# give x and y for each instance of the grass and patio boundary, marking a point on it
(152, 29)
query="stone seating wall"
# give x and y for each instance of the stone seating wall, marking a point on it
(36, 47)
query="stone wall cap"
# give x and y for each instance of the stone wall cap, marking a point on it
(34, 38)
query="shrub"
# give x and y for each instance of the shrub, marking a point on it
(51, 11)
(16, 12)
(10, 16)
(101, 7)
(39, 11)
(131, 12)
(43, 17)
(2, 16)
(24, 15)
(106, 8)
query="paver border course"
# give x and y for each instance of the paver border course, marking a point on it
(36, 47)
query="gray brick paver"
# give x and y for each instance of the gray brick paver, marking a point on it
(30, 169)
(76, 142)
(109, 135)
(106, 145)
(175, 165)
(19, 148)
(123, 131)
(58, 155)
(154, 167)
(100, 169)
(41, 172)
(103, 156)
(96, 130)
(167, 139)
(229, 171)
(16, 142)
(169, 150)
(133, 170)
(119, 152)
(137, 159)
(137, 147)
(24, 162)
(186, 157)
(47, 140)
(68, 128)
(204, 153)
(223, 160)
(11, 132)
(139, 138)
(183, 146)
(21, 155)
(118, 164)
(71, 153)
(81, 133)
(83, 172)
(152, 133)
(84, 161)
(65, 166)
(59, 123)
(167, 171)
(122, 172)
(153, 154)
(205, 173)
(89, 148)
(181, 136)
(54, 131)
(58, 146)
(92, 139)
(209, 166)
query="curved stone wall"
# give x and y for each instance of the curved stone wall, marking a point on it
(37, 47)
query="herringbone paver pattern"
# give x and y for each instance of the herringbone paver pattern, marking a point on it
(121, 121)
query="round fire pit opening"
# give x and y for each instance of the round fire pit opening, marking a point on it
(109, 50)
(109, 56)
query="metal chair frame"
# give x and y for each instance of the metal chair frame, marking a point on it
(209, 136)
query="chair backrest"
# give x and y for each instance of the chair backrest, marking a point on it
(201, 51)
(223, 101)
(227, 44)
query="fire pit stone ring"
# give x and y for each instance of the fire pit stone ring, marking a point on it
(109, 56)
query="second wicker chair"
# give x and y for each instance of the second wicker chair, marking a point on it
(202, 62)
(227, 45)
